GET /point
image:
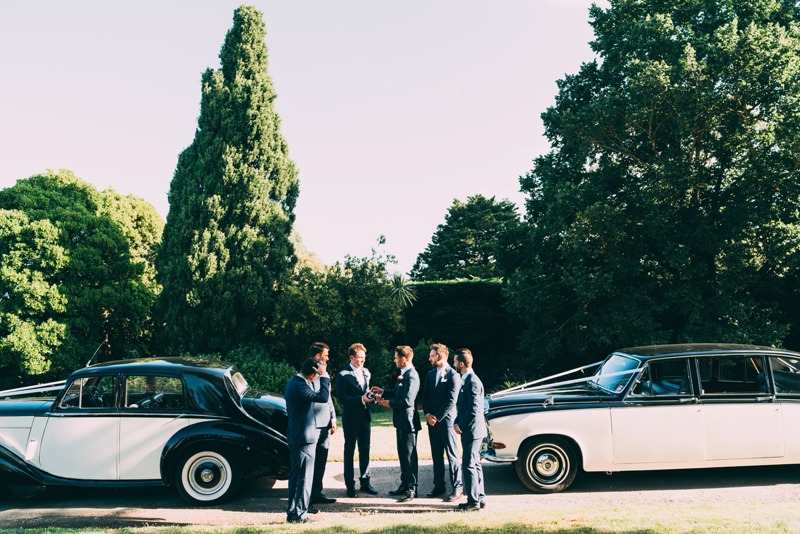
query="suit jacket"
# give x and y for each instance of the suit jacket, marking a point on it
(402, 399)
(323, 413)
(439, 399)
(470, 418)
(300, 398)
(349, 392)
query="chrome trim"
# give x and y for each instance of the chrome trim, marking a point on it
(486, 455)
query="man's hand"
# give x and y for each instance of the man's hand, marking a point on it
(431, 419)
(366, 399)
(384, 403)
(376, 390)
(321, 367)
(458, 430)
(333, 426)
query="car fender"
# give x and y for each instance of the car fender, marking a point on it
(258, 453)
(589, 429)
(14, 470)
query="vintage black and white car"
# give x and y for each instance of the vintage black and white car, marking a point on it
(189, 422)
(649, 408)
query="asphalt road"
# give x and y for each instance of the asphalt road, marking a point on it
(256, 505)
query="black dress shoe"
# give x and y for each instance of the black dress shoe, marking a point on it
(313, 509)
(366, 487)
(435, 492)
(298, 520)
(469, 507)
(351, 492)
(483, 504)
(455, 496)
(409, 496)
(399, 491)
(322, 499)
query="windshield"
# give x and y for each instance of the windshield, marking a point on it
(615, 373)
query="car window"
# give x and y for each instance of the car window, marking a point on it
(665, 378)
(154, 393)
(90, 393)
(240, 383)
(732, 374)
(785, 375)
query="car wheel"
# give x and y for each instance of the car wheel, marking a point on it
(547, 465)
(206, 477)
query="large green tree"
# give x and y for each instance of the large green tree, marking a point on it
(68, 277)
(226, 249)
(467, 244)
(668, 209)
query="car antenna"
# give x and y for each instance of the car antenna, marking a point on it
(104, 342)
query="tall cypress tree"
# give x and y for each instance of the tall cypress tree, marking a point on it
(226, 246)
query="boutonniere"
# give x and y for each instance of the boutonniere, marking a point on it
(367, 375)
(399, 378)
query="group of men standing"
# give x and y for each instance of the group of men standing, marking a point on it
(453, 406)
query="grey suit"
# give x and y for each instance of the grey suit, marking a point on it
(302, 434)
(405, 419)
(324, 415)
(471, 422)
(439, 400)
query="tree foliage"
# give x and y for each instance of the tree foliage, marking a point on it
(73, 273)
(227, 249)
(668, 209)
(349, 302)
(466, 245)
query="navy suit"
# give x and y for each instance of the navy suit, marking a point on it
(356, 422)
(405, 420)
(439, 400)
(471, 422)
(324, 415)
(302, 434)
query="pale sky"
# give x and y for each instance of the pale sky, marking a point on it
(390, 109)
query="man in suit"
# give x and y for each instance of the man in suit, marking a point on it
(471, 425)
(352, 388)
(439, 404)
(402, 401)
(325, 417)
(302, 433)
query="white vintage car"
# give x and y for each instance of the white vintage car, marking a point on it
(647, 408)
(191, 423)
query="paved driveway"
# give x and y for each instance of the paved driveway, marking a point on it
(256, 505)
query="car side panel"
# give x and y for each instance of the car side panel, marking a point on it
(81, 446)
(590, 428)
(658, 433)
(743, 430)
(790, 412)
(142, 440)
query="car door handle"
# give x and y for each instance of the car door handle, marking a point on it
(763, 399)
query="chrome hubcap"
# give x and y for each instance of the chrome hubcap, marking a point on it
(547, 464)
(207, 475)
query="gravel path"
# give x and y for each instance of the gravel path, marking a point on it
(256, 505)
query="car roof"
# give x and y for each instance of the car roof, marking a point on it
(190, 365)
(699, 349)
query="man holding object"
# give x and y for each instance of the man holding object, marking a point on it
(402, 401)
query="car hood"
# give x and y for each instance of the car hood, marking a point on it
(24, 407)
(503, 403)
